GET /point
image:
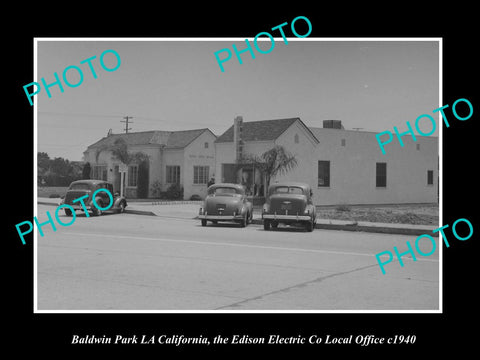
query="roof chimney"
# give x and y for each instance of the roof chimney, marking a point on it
(332, 124)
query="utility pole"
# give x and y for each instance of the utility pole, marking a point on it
(126, 123)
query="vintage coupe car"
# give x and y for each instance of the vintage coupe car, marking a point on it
(226, 202)
(290, 204)
(81, 188)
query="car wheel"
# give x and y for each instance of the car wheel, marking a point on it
(96, 211)
(68, 212)
(309, 226)
(121, 208)
(274, 225)
(244, 221)
(204, 222)
(266, 224)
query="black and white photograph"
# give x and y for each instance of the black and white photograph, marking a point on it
(235, 190)
(249, 181)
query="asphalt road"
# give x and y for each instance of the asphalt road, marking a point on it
(135, 262)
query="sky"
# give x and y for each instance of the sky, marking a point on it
(178, 85)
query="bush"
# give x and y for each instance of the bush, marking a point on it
(174, 192)
(343, 208)
(156, 189)
(195, 197)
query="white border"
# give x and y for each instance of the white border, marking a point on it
(440, 184)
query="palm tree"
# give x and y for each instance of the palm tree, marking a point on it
(119, 150)
(273, 162)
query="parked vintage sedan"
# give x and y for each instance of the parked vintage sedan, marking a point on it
(226, 202)
(290, 204)
(81, 188)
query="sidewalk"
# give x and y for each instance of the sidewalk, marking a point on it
(189, 209)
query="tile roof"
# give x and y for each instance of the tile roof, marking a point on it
(263, 130)
(259, 130)
(170, 139)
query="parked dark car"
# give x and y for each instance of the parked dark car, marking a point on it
(226, 202)
(291, 204)
(81, 188)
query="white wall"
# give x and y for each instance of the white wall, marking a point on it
(353, 166)
(303, 151)
(196, 154)
(353, 169)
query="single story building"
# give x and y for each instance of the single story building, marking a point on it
(157, 160)
(342, 166)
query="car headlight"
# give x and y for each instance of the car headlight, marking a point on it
(266, 208)
(307, 212)
(200, 211)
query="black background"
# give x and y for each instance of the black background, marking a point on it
(52, 333)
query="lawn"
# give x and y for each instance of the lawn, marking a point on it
(417, 214)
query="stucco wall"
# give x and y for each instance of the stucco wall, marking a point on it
(353, 169)
(196, 154)
(353, 166)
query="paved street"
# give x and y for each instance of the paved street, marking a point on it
(136, 262)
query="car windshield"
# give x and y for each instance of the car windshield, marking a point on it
(80, 186)
(288, 190)
(225, 191)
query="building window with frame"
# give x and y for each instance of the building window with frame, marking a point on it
(323, 173)
(296, 139)
(99, 172)
(418, 146)
(206, 145)
(343, 142)
(200, 174)
(132, 175)
(429, 177)
(381, 174)
(173, 174)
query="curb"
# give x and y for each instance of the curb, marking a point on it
(136, 212)
(140, 212)
(367, 228)
(343, 227)
(46, 203)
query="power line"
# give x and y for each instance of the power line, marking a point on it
(126, 123)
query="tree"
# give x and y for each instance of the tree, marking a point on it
(273, 162)
(119, 150)
(43, 161)
(86, 171)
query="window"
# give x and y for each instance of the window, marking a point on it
(429, 177)
(323, 173)
(206, 145)
(418, 146)
(381, 174)
(343, 142)
(99, 172)
(200, 174)
(173, 174)
(132, 175)
(296, 139)
(287, 190)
